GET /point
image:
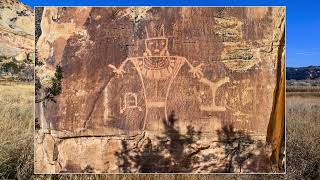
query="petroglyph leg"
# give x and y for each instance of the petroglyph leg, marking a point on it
(155, 118)
(213, 86)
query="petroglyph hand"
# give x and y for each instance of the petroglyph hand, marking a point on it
(119, 71)
(197, 71)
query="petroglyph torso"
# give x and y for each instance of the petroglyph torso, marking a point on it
(157, 74)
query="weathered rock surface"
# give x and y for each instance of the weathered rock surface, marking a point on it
(128, 71)
(16, 38)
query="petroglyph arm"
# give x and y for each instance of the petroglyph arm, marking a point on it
(215, 83)
(195, 71)
(120, 71)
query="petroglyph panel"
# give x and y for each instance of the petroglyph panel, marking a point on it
(139, 77)
(127, 69)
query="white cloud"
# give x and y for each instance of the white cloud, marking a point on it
(307, 53)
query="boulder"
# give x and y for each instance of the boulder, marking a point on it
(21, 56)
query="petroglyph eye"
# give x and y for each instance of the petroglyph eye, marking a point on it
(151, 45)
(159, 44)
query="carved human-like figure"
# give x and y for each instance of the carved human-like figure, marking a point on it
(157, 70)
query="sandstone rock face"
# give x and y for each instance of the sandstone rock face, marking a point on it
(133, 75)
(16, 35)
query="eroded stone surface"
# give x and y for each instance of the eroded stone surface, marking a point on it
(16, 29)
(16, 41)
(127, 70)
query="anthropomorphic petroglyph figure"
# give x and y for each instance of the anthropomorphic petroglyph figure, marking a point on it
(157, 70)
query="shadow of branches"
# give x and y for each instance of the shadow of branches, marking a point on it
(170, 152)
(177, 152)
(236, 147)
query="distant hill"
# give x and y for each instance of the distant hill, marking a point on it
(303, 73)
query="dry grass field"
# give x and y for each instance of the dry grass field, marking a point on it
(303, 141)
(16, 152)
(16, 129)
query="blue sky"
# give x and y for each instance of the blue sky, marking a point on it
(303, 20)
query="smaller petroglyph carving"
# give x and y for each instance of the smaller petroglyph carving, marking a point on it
(213, 86)
(130, 101)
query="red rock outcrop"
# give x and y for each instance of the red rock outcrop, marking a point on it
(126, 71)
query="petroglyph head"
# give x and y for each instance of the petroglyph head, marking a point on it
(156, 45)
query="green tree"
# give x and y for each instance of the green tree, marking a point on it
(54, 90)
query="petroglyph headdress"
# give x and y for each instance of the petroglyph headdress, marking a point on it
(154, 33)
(156, 36)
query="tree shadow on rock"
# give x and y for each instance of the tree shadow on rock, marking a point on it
(170, 152)
(242, 153)
(236, 146)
